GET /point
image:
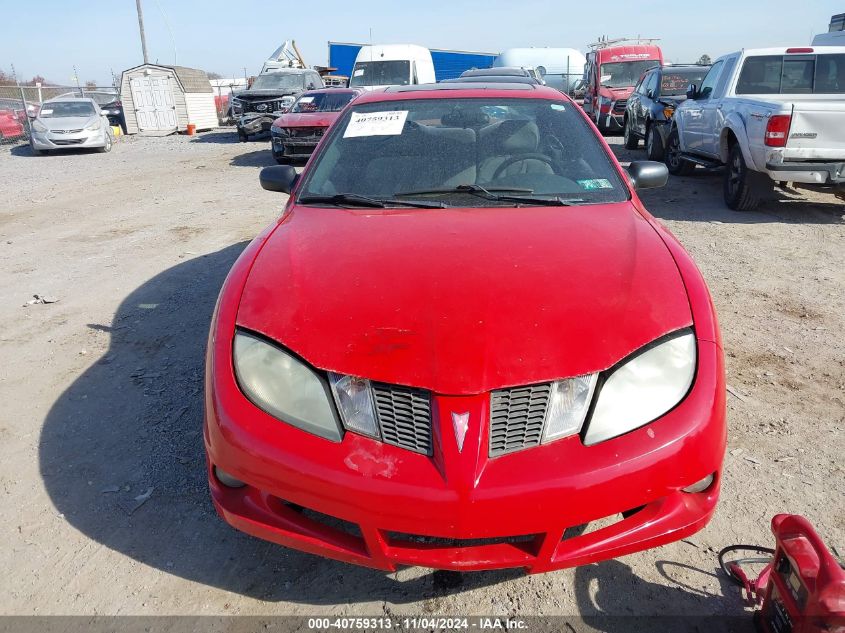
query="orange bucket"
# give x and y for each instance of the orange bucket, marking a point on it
(191, 129)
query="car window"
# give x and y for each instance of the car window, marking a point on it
(674, 84)
(709, 81)
(722, 84)
(386, 73)
(652, 85)
(60, 109)
(322, 102)
(621, 74)
(383, 149)
(640, 87)
(279, 81)
(792, 74)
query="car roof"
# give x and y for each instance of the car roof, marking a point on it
(499, 71)
(683, 67)
(516, 79)
(66, 99)
(460, 90)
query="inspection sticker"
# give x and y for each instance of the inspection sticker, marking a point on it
(597, 183)
(46, 111)
(376, 123)
(306, 99)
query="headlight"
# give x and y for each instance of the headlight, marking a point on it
(287, 101)
(38, 126)
(278, 130)
(236, 105)
(354, 399)
(283, 386)
(94, 127)
(642, 389)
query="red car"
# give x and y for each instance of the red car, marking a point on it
(295, 134)
(10, 125)
(465, 344)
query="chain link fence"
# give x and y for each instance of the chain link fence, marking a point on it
(19, 104)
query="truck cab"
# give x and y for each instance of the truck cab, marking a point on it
(392, 65)
(613, 69)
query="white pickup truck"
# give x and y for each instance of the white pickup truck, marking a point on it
(768, 115)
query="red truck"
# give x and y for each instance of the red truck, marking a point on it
(613, 69)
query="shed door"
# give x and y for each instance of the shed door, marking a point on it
(154, 107)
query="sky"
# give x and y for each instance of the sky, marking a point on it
(50, 37)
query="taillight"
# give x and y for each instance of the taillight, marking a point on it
(777, 130)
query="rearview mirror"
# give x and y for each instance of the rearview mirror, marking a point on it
(647, 174)
(692, 91)
(280, 178)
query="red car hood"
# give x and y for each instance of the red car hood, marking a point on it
(315, 119)
(462, 301)
(616, 93)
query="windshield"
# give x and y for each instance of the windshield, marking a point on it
(322, 102)
(674, 84)
(279, 81)
(390, 73)
(624, 74)
(444, 149)
(59, 109)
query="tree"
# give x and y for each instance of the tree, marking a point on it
(90, 84)
(6, 78)
(38, 79)
(704, 60)
(214, 75)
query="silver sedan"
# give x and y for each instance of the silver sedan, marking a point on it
(70, 123)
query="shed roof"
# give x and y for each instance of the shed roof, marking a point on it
(191, 79)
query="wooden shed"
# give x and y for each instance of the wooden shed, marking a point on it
(159, 100)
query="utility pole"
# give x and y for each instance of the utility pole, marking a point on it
(141, 28)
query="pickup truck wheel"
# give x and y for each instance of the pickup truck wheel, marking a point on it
(631, 141)
(653, 144)
(675, 162)
(242, 136)
(744, 188)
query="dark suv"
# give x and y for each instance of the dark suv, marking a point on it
(648, 113)
(270, 95)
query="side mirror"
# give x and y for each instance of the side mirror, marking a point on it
(692, 91)
(280, 178)
(647, 174)
(650, 94)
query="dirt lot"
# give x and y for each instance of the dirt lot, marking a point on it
(102, 397)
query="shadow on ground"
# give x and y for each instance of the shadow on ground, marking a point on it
(699, 198)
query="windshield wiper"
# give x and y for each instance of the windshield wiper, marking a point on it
(340, 199)
(488, 194)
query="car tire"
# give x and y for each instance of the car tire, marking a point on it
(281, 160)
(628, 136)
(675, 162)
(243, 137)
(107, 147)
(744, 188)
(653, 144)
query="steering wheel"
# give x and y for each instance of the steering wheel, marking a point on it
(520, 157)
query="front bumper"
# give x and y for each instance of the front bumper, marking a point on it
(79, 140)
(813, 173)
(612, 122)
(380, 506)
(254, 123)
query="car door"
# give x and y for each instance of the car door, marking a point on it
(712, 116)
(647, 101)
(692, 114)
(634, 101)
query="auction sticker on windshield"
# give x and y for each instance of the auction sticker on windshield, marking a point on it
(376, 123)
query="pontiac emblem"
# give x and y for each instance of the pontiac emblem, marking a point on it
(461, 423)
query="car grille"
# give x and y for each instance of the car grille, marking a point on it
(262, 107)
(404, 416)
(304, 132)
(67, 141)
(516, 418)
(66, 131)
(619, 106)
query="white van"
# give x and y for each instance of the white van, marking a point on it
(392, 65)
(834, 38)
(559, 67)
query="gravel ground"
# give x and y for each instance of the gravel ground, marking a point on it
(106, 509)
